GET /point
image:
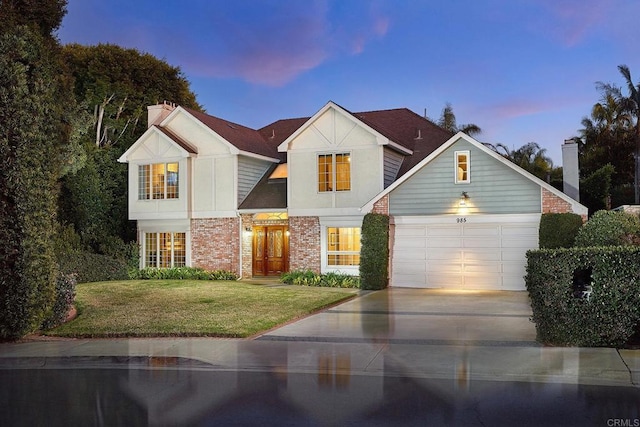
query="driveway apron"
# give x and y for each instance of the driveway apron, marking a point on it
(420, 316)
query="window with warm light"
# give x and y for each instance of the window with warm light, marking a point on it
(165, 250)
(343, 246)
(462, 167)
(334, 172)
(158, 181)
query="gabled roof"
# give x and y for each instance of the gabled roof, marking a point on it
(186, 149)
(576, 206)
(242, 137)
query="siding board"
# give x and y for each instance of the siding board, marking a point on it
(250, 171)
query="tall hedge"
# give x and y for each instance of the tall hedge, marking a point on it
(609, 228)
(374, 252)
(565, 315)
(559, 230)
(28, 175)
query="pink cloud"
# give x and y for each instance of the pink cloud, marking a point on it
(570, 21)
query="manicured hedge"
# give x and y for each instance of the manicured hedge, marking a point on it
(374, 252)
(611, 313)
(609, 228)
(186, 273)
(90, 267)
(559, 230)
(329, 280)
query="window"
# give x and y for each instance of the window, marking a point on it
(334, 172)
(158, 181)
(343, 246)
(462, 167)
(165, 250)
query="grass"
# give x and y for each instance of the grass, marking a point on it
(154, 308)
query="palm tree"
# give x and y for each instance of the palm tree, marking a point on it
(529, 157)
(448, 121)
(631, 106)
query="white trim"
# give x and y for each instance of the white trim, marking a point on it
(400, 148)
(380, 138)
(143, 139)
(456, 166)
(575, 206)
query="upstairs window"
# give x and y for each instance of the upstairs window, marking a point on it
(462, 164)
(158, 181)
(334, 172)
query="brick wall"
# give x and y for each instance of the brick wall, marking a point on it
(304, 243)
(554, 204)
(215, 244)
(381, 206)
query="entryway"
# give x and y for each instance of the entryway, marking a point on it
(270, 250)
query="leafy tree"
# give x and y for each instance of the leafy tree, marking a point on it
(115, 85)
(36, 127)
(595, 189)
(612, 135)
(530, 157)
(447, 120)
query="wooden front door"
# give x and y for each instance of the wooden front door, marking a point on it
(270, 250)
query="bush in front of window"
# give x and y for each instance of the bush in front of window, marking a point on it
(559, 230)
(184, 273)
(328, 280)
(374, 252)
(588, 297)
(609, 228)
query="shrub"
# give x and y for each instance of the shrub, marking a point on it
(374, 252)
(65, 294)
(559, 230)
(609, 228)
(90, 267)
(184, 273)
(563, 313)
(329, 280)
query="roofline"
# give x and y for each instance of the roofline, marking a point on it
(259, 156)
(232, 148)
(575, 205)
(380, 138)
(159, 131)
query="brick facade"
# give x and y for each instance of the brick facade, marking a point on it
(382, 205)
(554, 204)
(215, 244)
(304, 243)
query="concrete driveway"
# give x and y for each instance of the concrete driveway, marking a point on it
(420, 316)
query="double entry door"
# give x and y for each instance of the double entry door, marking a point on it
(270, 250)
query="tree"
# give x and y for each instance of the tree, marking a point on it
(612, 135)
(529, 157)
(36, 126)
(115, 85)
(447, 120)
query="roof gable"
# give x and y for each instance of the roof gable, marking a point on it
(460, 136)
(157, 143)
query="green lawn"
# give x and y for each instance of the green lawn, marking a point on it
(137, 308)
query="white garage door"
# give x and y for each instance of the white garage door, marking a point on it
(472, 252)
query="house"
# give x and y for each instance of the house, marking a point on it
(214, 194)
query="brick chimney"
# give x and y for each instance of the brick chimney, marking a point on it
(570, 170)
(157, 113)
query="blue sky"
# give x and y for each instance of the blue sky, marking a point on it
(523, 70)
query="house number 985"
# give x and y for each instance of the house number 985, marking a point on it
(461, 220)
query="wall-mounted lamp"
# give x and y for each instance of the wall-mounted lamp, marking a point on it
(463, 198)
(248, 231)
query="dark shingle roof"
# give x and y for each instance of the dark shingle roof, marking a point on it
(181, 142)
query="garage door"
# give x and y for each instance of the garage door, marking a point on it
(473, 252)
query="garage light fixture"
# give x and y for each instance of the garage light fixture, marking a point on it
(463, 198)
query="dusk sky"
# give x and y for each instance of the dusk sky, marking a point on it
(523, 70)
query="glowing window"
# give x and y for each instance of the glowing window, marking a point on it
(334, 172)
(343, 246)
(462, 164)
(158, 181)
(165, 250)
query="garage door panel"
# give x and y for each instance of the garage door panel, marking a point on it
(486, 252)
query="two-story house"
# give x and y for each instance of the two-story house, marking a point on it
(214, 194)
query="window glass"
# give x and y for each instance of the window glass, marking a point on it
(144, 174)
(343, 172)
(343, 246)
(172, 181)
(157, 176)
(462, 167)
(165, 250)
(325, 172)
(151, 250)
